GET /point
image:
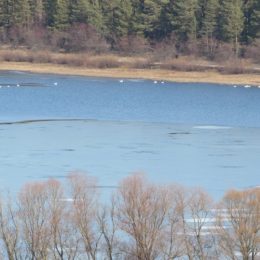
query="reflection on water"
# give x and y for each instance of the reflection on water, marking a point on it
(194, 134)
(211, 158)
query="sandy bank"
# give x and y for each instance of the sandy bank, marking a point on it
(153, 74)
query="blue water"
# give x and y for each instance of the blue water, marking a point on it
(195, 134)
(133, 100)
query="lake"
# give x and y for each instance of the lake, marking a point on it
(204, 135)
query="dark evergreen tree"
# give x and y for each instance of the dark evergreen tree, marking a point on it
(117, 18)
(37, 12)
(231, 22)
(6, 12)
(50, 10)
(251, 28)
(61, 15)
(150, 17)
(181, 18)
(86, 11)
(136, 26)
(209, 23)
(22, 13)
(166, 20)
(79, 11)
(255, 20)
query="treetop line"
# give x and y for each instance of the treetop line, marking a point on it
(231, 21)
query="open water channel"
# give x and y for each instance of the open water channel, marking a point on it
(203, 135)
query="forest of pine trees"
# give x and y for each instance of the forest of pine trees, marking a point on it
(131, 25)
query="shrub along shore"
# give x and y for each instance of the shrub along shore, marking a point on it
(182, 69)
(123, 73)
(141, 221)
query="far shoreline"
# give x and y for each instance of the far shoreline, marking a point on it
(124, 73)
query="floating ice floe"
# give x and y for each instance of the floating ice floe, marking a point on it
(258, 86)
(155, 82)
(135, 80)
(121, 81)
(234, 86)
(55, 83)
(212, 127)
(247, 86)
(162, 82)
(18, 85)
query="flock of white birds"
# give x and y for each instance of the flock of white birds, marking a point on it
(162, 82)
(246, 86)
(18, 85)
(122, 81)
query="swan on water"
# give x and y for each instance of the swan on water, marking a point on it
(247, 86)
(155, 82)
(121, 81)
(234, 86)
(55, 83)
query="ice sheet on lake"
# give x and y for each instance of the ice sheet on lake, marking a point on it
(111, 151)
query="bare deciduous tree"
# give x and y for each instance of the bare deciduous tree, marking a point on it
(9, 230)
(141, 211)
(108, 225)
(199, 210)
(142, 222)
(64, 237)
(34, 216)
(239, 224)
(195, 212)
(174, 246)
(85, 207)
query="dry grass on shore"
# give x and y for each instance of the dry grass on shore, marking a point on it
(154, 74)
(86, 64)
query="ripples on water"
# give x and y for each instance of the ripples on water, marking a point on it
(194, 134)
